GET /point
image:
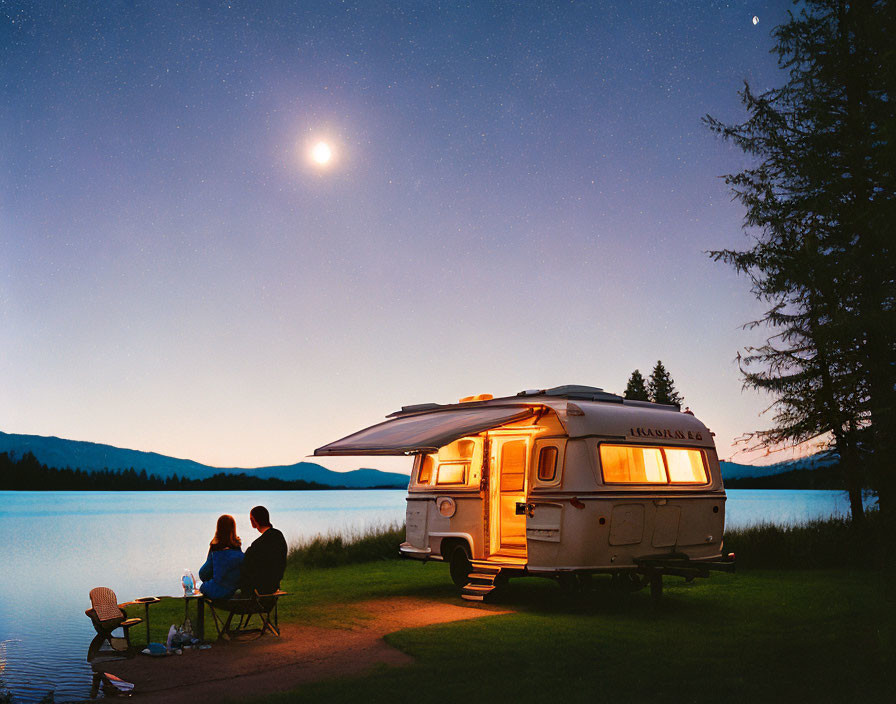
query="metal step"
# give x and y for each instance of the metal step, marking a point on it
(481, 584)
(476, 592)
(484, 577)
(479, 588)
(485, 567)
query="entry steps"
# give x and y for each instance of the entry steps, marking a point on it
(482, 582)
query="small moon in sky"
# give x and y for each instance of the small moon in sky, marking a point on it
(321, 153)
(755, 20)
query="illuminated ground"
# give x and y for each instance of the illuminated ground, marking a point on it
(303, 654)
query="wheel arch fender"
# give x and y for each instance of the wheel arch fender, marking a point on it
(449, 541)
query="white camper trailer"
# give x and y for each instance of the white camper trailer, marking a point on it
(563, 482)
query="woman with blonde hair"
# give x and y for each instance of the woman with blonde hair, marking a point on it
(220, 574)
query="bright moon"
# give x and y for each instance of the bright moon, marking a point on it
(321, 153)
(755, 20)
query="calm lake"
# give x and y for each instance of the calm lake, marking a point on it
(57, 546)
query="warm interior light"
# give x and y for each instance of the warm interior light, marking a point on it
(632, 465)
(425, 472)
(625, 464)
(452, 473)
(685, 466)
(512, 468)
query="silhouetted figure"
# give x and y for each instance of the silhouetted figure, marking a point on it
(265, 559)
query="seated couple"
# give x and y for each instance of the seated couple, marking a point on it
(227, 569)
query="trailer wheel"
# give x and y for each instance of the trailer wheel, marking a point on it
(459, 565)
(656, 587)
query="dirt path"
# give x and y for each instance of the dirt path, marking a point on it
(302, 654)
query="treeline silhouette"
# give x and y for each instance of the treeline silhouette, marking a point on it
(28, 474)
(829, 477)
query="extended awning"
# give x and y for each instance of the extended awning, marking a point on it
(424, 432)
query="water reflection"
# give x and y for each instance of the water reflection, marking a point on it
(103, 649)
(747, 507)
(116, 648)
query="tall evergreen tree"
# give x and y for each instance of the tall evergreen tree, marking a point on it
(661, 387)
(636, 389)
(820, 202)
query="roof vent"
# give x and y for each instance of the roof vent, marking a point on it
(417, 407)
(477, 397)
(575, 391)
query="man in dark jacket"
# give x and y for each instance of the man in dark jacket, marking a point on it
(265, 559)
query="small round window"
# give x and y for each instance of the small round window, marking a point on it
(547, 464)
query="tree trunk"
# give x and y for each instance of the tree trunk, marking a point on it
(872, 238)
(851, 468)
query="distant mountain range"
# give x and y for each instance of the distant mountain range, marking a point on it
(733, 470)
(91, 456)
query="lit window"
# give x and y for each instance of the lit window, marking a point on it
(685, 466)
(425, 470)
(547, 463)
(465, 449)
(624, 464)
(632, 465)
(453, 473)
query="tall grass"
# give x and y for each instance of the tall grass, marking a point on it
(834, 542)
(823, 543)
(334, 549)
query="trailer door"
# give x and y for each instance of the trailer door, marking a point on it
(508, 487)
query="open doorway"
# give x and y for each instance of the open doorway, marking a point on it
(510, 455)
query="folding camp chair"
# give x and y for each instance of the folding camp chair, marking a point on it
(106, 616)
(244, 608)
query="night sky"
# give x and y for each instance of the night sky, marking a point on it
(520, 195)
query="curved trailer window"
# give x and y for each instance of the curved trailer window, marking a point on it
(425, 474)
(547, 463)
(631, 464)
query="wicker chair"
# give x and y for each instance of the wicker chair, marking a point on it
(106, 616)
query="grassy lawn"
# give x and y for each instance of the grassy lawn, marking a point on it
(768, 633)
(312, 589)
(754, 636)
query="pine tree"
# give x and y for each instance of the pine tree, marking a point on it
(661, 388)
(820, 204)
(636, 389)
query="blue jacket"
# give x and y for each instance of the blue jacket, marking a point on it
(220, 574)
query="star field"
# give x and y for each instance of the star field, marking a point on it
(521, 196)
